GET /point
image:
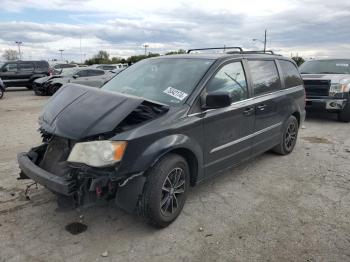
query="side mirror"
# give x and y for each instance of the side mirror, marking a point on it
(217, 99)
(75, 76)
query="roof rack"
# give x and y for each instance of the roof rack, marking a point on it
(252, 52)
(216, 48)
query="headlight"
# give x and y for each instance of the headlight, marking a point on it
(98, 153)
(339, 88)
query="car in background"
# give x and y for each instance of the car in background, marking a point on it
(110, 66)
(84, 76)
(162, 126)
(327, 86)
(23, 73)
(61, 67)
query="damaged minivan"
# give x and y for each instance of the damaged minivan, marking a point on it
(162, 126)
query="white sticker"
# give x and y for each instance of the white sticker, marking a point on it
(344, 65)
(175, 93)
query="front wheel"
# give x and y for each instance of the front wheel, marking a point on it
(165, 191)
(289, 137)
(344, 115)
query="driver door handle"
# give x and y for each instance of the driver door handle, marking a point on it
(248, 111)
(261, 107)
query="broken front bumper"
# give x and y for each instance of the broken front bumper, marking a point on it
(54, 183)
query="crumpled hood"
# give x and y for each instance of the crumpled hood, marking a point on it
(45, 78)
(77, 111)
(335, 78)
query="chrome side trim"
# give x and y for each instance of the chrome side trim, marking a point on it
(256, 99)
(244, 138)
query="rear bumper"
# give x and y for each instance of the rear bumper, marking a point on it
(54, 183)
(326, 103)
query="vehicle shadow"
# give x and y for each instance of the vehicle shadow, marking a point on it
(320, 116)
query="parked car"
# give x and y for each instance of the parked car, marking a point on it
(110, 66)
(2, 88)
(162, 126)
(327, 85)
(84, 76)
(60, 68)
(23, 73)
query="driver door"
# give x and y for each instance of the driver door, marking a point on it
(228, 130)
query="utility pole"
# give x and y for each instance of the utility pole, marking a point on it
(145, 46)
(19, 49)
(61, 50)
(81, 54)
(265, 42)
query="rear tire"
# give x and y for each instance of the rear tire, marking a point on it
(344, 115)
(1, 93)
(289, 137)
(165, 191)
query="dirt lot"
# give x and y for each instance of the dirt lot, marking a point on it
(292, 208)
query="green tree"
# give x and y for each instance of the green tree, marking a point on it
(180, 51)
(298, 60)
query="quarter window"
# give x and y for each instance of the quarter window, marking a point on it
(265, 76)
(291, 74)
(230, 78)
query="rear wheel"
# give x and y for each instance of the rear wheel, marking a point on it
(1, 92)
(344, 115)
(165, 191)
(289, 137)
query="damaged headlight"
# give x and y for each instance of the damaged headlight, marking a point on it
(98, 153)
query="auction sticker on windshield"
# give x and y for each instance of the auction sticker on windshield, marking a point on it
(175, 93)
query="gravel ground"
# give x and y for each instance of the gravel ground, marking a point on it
(291, 208)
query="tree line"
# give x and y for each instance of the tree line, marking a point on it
(103, 57)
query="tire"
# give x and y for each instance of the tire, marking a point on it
(53, 89)
(344, 115)
(160, 205)
(1, 93)
(289, 137)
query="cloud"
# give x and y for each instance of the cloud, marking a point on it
(309, 27)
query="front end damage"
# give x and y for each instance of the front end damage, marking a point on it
(78, 184)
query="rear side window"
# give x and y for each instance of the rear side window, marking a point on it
(230, 78)
(26, 67)
(95, 72)
(291, 74)
(265, 76)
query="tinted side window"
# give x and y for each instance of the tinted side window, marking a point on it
(82, 73)
(95, 72)
(26, 67)
(291, 74)
(265, 76)
(230, 78)
(11, 67)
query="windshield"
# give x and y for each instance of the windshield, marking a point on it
(334, 66)
(165, 80)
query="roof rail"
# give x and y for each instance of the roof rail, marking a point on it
(216, 48)
(252, 52)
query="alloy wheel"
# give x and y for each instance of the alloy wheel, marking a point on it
(172, 191)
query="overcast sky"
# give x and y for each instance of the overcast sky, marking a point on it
(311, 28)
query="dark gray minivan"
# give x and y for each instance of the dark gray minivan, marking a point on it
(163, 125)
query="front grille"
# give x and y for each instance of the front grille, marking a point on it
(315, 88)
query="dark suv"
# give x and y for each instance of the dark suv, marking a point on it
(163, 125)
(23, 73)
